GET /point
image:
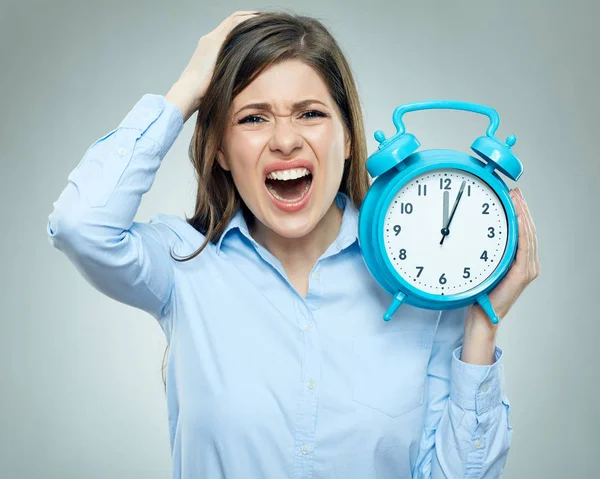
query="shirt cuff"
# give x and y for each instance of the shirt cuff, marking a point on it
(477, 387)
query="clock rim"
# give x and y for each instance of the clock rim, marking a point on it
(415, 165)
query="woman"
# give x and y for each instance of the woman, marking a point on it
(279, 364)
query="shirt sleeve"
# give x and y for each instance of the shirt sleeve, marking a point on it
(92, 221)
(467, 432)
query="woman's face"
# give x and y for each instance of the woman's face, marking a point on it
(285, 145)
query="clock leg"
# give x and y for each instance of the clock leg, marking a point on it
(485, 303)
(398, 300)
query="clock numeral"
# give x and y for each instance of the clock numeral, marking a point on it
(406, 208)
(486, 207)
(467, 272)
(424, 190)
(484, 256)
(420, 268)
(403, 254)
(397, 229)
(448, 181)
(443, 279)
(491, 230)
(469, 190)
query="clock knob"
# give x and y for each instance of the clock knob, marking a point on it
(499, 155)
(380, 136)
(391, 152)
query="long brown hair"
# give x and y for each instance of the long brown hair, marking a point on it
(253, 45)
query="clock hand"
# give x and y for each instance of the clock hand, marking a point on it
(445, 212)
(447, 228)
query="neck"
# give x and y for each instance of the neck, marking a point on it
(299, 254)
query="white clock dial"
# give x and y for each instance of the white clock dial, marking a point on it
(476, 239)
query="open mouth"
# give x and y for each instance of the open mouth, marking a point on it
(289, 186)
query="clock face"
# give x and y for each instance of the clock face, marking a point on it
(473, 243)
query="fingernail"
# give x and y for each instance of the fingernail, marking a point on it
(520, 193)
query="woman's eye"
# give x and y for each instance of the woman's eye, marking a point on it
(306, 115)
(248, 119)
(316, 113)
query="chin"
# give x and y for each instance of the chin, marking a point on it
(292, 228)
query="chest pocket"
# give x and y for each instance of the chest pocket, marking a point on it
(389, 370)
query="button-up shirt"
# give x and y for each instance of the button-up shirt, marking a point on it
(261, 381)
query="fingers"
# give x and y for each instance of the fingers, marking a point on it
(530, 261)
(535, 264)
(244, 12)
(241, 15)
(527, 236)
(523, 242)
(235, 18)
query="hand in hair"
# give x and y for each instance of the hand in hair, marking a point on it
(187, 92)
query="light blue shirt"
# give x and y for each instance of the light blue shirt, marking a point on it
(261, 382)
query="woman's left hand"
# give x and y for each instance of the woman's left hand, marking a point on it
(523, 271)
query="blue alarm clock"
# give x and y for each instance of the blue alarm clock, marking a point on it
(437, 228)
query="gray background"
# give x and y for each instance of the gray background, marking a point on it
(81, 373)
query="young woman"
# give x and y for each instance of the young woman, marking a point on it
(279, 363)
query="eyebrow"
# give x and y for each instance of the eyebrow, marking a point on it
(267, 106)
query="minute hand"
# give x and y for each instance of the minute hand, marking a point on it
(447, 226)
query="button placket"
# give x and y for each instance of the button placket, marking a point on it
(308, 398)
(315, 288)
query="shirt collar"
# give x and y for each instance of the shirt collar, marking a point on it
(347, 235)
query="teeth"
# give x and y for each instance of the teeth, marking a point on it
(274, 193)
(288, 174)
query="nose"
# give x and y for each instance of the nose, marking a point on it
(285, 137)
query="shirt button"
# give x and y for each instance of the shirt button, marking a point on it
(485, 387)
(304, 449)
(312, 384)
(122, 151)
(308, 327)
(477, 444)
(317, 275)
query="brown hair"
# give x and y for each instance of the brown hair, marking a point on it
(253, 45)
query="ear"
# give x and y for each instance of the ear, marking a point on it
(348, 146)
(222, 161)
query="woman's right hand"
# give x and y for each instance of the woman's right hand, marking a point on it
(187, 92)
